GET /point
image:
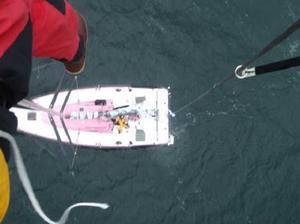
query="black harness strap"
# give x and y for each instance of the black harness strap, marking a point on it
(291, 29)
(276, 66)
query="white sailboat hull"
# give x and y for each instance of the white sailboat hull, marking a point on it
(90, 115)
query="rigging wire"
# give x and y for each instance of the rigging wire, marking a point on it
(277, 40)
(75, 149)
(38, 67)
(203, 94)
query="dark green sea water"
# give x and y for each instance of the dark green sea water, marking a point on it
(236, 157)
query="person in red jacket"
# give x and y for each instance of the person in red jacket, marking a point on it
(33, 28)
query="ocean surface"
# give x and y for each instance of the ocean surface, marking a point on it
(236, 157)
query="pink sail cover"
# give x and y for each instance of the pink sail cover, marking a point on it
(85, 116)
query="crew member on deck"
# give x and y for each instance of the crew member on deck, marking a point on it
(38, 28)
(122, 122)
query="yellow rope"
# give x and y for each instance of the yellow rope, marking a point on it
(4, 187)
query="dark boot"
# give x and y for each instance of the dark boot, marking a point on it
(77, 66)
